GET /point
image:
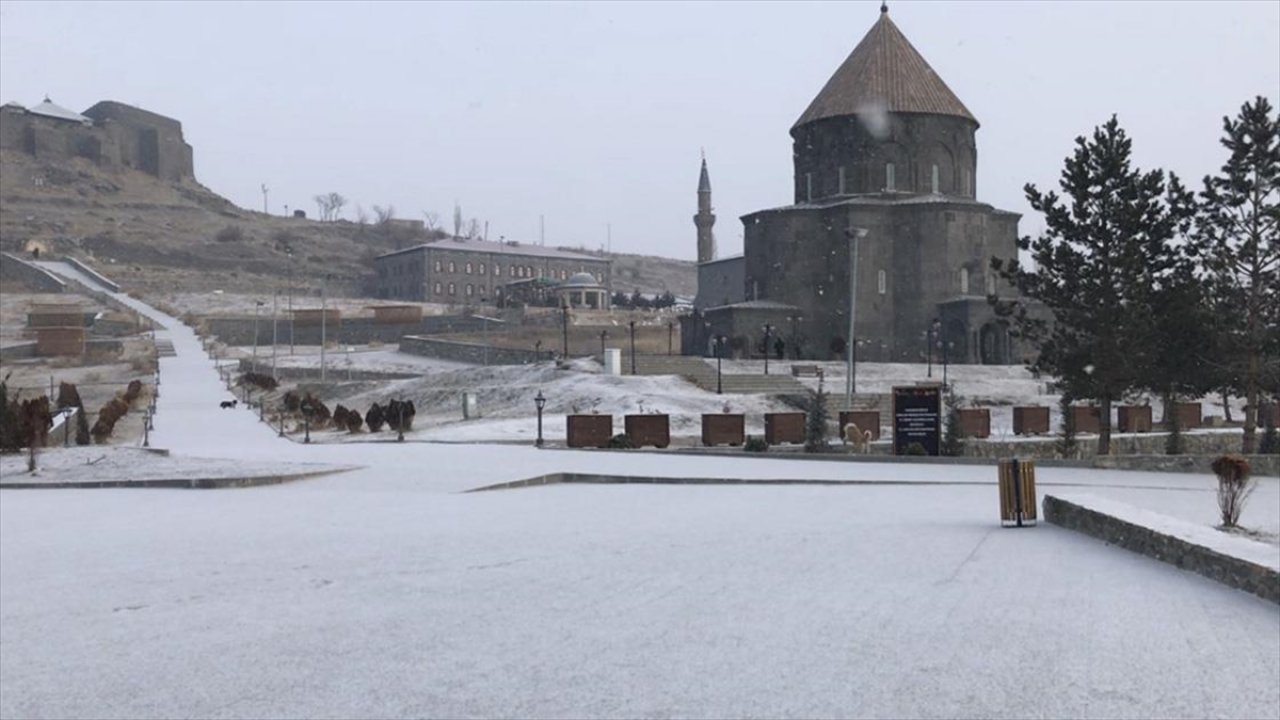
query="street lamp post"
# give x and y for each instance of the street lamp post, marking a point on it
(484, 320)
(633, 346)
(671, 328)
(146, 430)
(604, 334)
(768, 336)
(541, 402)
(275, 324)
(945, 347)
(855, 234)
(934, 327)
(257, 308)
(564, 307)
(719, 356)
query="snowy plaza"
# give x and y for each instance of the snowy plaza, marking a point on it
(389, 591)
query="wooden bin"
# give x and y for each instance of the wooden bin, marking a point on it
(865, 420)
(589, 430)
(1189, 415)
(1133, 418)
(1017, 492)
(1031, 420)
(784, 428)
(723, 429)
(652, 430)
(1087, 418)
(975, 422)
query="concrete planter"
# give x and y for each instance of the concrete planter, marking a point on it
(1189, 415)
(784, 428)
(589, 430)
(1087, 418)
(865, 419)
(1133, 418)
(975, 422)
(1031, 420)
(723, 429)
(652, 430)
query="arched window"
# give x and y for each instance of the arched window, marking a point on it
(513, 272)
(881, 282)
(482, 269)
(991, 284)
(889, 179)
(439, 266)
(452, 266)
(471, 290)
(935, 180)
(497, 270)
(528, 271)
(453, 289)
(438, 288)
(808, 186)
(468, 268)
(964, 281)
(840, 180)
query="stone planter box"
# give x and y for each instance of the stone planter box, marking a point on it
(652, 430)
(1031, 420)
(589, 430)
(1189, 415)
(1133, 418)
(975, 422)
(784, 428)
(864, 419)
(723, 429)
(1087, 418)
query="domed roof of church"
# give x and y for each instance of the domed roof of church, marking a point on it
(884, 73)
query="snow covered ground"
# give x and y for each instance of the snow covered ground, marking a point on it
(387, 592)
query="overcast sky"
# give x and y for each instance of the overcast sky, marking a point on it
(594, 113)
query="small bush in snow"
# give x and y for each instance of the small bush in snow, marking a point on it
(755, 444)
(621, 442)
(1234, 487)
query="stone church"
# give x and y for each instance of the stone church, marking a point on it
(885, 162)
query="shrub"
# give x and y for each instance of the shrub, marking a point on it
(1234, 487)
(621, 441)
(1067, 441)
(1270, 444)
(952, 444)
(375, 418)
(230, 233)
(916, 448)
(1172, 441)
(815, 423)
(755, 444)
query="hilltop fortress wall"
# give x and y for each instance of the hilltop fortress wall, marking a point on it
(118, 136)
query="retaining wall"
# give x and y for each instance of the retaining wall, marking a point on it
(333, 373)
(1236, 572)
(350, 331)
(471, 352)
(16, 269)
(93, 274)
(17, 351)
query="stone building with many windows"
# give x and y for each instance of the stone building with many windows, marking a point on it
(886, 154)
(474, 272)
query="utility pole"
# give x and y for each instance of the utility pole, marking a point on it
(275, 336)
(264, 199)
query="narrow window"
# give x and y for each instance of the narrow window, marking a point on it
(482, 270)
(470, 290)
(964, 281)
(991, 284)
(452, 267)
(497, 270)
(881, 282)
(468, 268)
(935, 179)
(437, 288)
(840, 180)
(968, 184)
(453, 289)
(888, 177)
(808, 186)
(439, 266)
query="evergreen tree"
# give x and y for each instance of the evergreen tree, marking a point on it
(1106, 250)
(952, 444)
(1067, 442)
(1239, 235)
(815, 429)
(10, 433)
(1173, 444)
(1270, 444)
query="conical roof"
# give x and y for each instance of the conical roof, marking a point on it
(884, 72)
(704, 180)
(51, 109)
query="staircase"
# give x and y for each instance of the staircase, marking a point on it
(703, 374)
(164, 348)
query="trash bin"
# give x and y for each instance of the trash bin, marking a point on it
(470, 409)
(1017, 493)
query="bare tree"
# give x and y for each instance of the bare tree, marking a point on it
(473, 229)
(430, 221)
(362, 217)
(322, 207)
(336, 203)
(383, 215)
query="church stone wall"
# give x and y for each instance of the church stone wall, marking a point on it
(914, 144)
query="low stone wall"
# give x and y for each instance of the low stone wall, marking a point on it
(471, 352)
(1229, 570)
(17, 351)
(16, 269)
(93, 274)
(350, 331)
(333, 373)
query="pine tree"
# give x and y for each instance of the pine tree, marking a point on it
(952, 443)
(1106, 249)
(1173, 444)
(1239, 235)
(10, 433)
(815, 429)
(1067, 442)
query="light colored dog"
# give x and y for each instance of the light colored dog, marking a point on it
(859, 438)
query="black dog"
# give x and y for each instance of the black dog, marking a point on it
(229, 403)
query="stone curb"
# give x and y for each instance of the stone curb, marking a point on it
(1231, 571)
(175, 483)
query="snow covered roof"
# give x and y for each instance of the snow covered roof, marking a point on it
(755, 305)
(503, 248)
(50, 109)
(581, 279)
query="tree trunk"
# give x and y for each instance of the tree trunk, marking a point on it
(1226, 406)
(1104, 426)
(1251, 404)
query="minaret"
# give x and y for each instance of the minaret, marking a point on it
(705, 218)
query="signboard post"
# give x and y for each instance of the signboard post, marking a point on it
(917, 419)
